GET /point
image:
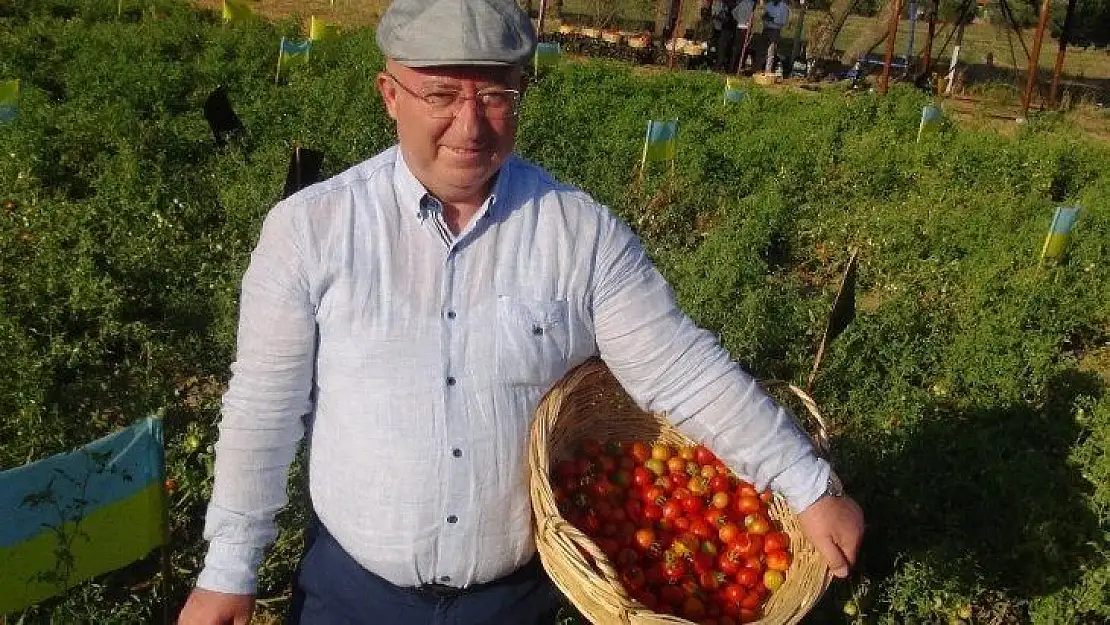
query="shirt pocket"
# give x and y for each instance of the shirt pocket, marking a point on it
(532, 340)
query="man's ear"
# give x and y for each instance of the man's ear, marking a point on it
(389, 94)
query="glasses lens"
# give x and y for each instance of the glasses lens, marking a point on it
(499, 104)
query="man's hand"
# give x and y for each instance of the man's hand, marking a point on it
(835, 527)
(208, 607)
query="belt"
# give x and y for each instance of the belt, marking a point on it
(436, 591)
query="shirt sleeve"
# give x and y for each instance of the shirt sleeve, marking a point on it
(668, 364)
(261, 424)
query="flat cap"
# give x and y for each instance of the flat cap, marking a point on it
(427, 33)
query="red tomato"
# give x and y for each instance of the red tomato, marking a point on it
(716, 517)
(655, 495)
(681, 480)
(693, 506)
(641, 477)
(634, 510)
(759, 525)
(699, 486)
(748, 545)
(644, 538)
(747, 577)
(639, 451)
(766, 496)
(702, 455)
(776, 541)
(672, 510)
(709, 580)
(704, 562)
(745, 489)
(727, 565)
(686, 452)
(682, 524)
(778, 560)
(719, 483)
(748, 615)
(747, 504)
(751, 601)
(733, 593)
(653, 511)
(679, 492)
(729, 532)
(700, 528)
(720, 499)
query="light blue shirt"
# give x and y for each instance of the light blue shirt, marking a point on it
(421, 357)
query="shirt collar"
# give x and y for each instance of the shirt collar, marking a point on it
(415, 200)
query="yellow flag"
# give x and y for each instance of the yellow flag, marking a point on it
(319, 30)
(236, 10)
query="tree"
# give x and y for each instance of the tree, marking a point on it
(821, 44)
(873, 36)
(1090, 26)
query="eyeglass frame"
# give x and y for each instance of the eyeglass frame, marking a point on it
(460, 99)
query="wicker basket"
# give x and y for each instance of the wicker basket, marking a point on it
(590, 403)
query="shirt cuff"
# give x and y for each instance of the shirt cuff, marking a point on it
(804, 482)
(231, 568)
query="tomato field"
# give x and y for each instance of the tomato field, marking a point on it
(968, 400)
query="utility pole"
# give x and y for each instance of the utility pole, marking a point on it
(1052, 101)
(1035, 57)
(892, 35)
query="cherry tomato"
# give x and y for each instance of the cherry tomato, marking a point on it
(766, 496)
(757, 524)
(660, 452)
(702, 455)
(698, 486)
(642, 476)
(729, 532)
(777, 560)
(719, 483)
(633, 577)
(773, 579)
(686, 452)
(652, 511)
(747, 504)
(658, 467)
(694, 506)
(720, 499)
(700, 527)
(675, 464)
(776, 541)
(751, 601)
(639, 451)
(727, 565)
(748, 545)
(709, 580)
(643, 538)
(747, 577)
(733, 593)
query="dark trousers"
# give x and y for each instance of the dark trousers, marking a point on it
(333, 589)
(742, 45)
(725, 42)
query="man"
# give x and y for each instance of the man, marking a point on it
(726, 28)
(742, 14)
(418, 306)
(775, 15)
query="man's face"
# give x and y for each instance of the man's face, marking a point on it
(456, 157)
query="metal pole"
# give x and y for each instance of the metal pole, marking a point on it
(1060, 55)
(892, 35)
(1035, 57)
(676, 6)
(913, 29)
(543, 15)
(932, 33)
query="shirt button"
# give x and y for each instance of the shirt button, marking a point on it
(452, 519)
(456, 452)
(450, 314)
(537, 331)
(450, 381)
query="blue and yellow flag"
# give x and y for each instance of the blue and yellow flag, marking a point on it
(733, 93)
(930, 120)
(292, 54)
(1058, 232)
(659, 144)
(547, 55)
(70, 517)
(9, 100)
(236, 10)
(319, 30)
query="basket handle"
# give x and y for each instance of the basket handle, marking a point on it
(820, 433)
(597, 561)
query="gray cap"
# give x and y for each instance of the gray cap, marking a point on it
(426, 33)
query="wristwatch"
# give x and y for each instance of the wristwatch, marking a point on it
(834, 487)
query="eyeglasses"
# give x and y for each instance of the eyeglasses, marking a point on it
(445, 103)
